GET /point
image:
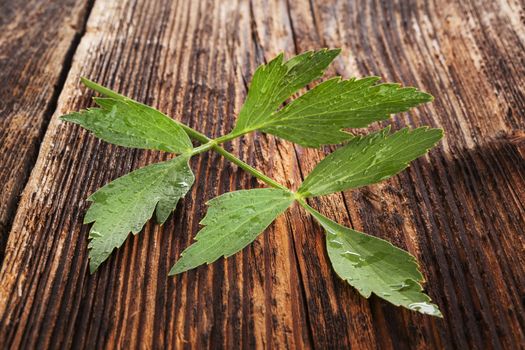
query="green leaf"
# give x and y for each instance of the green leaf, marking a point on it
(131, 124)
(368, 159)
(317, 117)
(373, 265)
(127, 203)
(233, 221)
(276, 81)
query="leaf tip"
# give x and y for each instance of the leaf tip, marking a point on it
(93, 266)
(437, 134)
(65, 118)
(429, 97)
(333, 52)
(177, 269)
(426, 308)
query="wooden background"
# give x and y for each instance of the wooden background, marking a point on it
(460, 210)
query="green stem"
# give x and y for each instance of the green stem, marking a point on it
(202, 148)
(214, 144)
(267, 180)
(228, 137)
(302, 201)
(194, 134)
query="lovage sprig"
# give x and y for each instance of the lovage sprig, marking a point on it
(235, 219)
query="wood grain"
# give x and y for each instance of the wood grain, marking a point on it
(35, 53)
(460, 210)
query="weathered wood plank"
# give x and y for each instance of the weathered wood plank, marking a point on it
(441, 214)
(36, 41)
(460, 210)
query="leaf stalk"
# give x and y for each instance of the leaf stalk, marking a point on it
(209, 143)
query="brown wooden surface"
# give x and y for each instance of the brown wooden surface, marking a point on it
(460, 210)
(37, 41)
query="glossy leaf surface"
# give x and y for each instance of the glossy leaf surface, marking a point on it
(233, 221)
(317, 117)
(369, 159)
(128, 123)
(373, 265)
(127, 203)
(276, 81)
